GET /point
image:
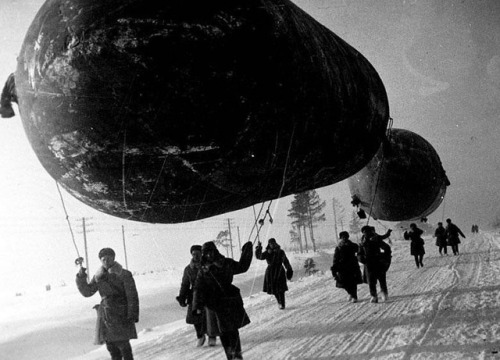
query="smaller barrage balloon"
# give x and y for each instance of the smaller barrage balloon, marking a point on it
(405, 180)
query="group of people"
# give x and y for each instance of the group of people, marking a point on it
(214, 304)
(375, 256)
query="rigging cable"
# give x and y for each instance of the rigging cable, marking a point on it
(67, 219)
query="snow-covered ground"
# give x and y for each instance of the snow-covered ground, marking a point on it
(450, 309)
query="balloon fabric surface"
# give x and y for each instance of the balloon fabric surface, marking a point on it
(174, 111)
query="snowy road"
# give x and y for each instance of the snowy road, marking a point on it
(449, 309)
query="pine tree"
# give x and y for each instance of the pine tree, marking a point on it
(306, 210)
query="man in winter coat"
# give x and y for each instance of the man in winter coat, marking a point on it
(277, 272)
(345, 268)
(452, 232)
(440, 235)
(214, 289)
(417, 248)
(119, 308)
(375, 255)
(185, 298)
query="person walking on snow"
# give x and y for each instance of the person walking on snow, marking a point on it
(452, 232)
(375, 255)
(345, 268)
(417, 248)
(278, 270)
(119, 308)
(440, 235)
(213, 289)
(185, 298)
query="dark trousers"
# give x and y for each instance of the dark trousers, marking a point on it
(280, 297)
(443, 249)
(200, 330)
(120, 350)
(374, 275)
(352, 290)
(455, 249)
(232, 346)
(418, 260)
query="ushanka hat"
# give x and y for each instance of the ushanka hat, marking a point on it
(106, 251)
(194, 248)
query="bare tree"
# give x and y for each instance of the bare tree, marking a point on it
(338, 217)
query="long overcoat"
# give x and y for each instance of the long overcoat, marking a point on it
(440, 234)
(345, 266)
(417, 243)
(214, 289)
(277, 269)
(119, 308)
(186, 293)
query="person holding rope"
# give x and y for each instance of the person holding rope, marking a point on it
(375, 255)
(119, 308)
(417, 248)
(214, 289)
(278, 270)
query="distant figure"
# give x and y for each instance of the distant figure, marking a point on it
(345, 268)
(452, 232)
(9, 95)
(119, 308)
(214, 289)
(417, 248)
(277, 272)
(440, 235)
(185, 298)
(375, 255)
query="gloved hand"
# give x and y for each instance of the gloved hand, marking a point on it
(82, 272)
(247, 247)
(196, 312)
(181, 302)
(289, 274)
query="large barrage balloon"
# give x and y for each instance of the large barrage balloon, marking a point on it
(171, 111)
(404, 181)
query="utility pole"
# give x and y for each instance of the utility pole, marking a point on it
(230, 237)
(86, 250)
(239, 240)
(124, 247)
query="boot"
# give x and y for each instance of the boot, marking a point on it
(211, 340)
(374, 299)
(201, 341)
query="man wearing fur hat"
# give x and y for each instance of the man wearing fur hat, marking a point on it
(119, 308)
(214, 289)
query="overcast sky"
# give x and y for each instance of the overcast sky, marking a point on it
(439, 61)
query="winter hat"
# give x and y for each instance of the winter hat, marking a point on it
(194, 248)
(344, 234)
(272, 241)
(209, 245)
(106, 251)
(366, 228)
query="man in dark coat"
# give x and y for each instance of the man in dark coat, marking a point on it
(452, 232)
(375, 255)
(119, 308)
(185, 298)
(277, 272)
(214, 289)
(440, 235)
(417, 248)
(345, 268)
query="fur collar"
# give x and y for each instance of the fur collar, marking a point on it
(115, 269)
